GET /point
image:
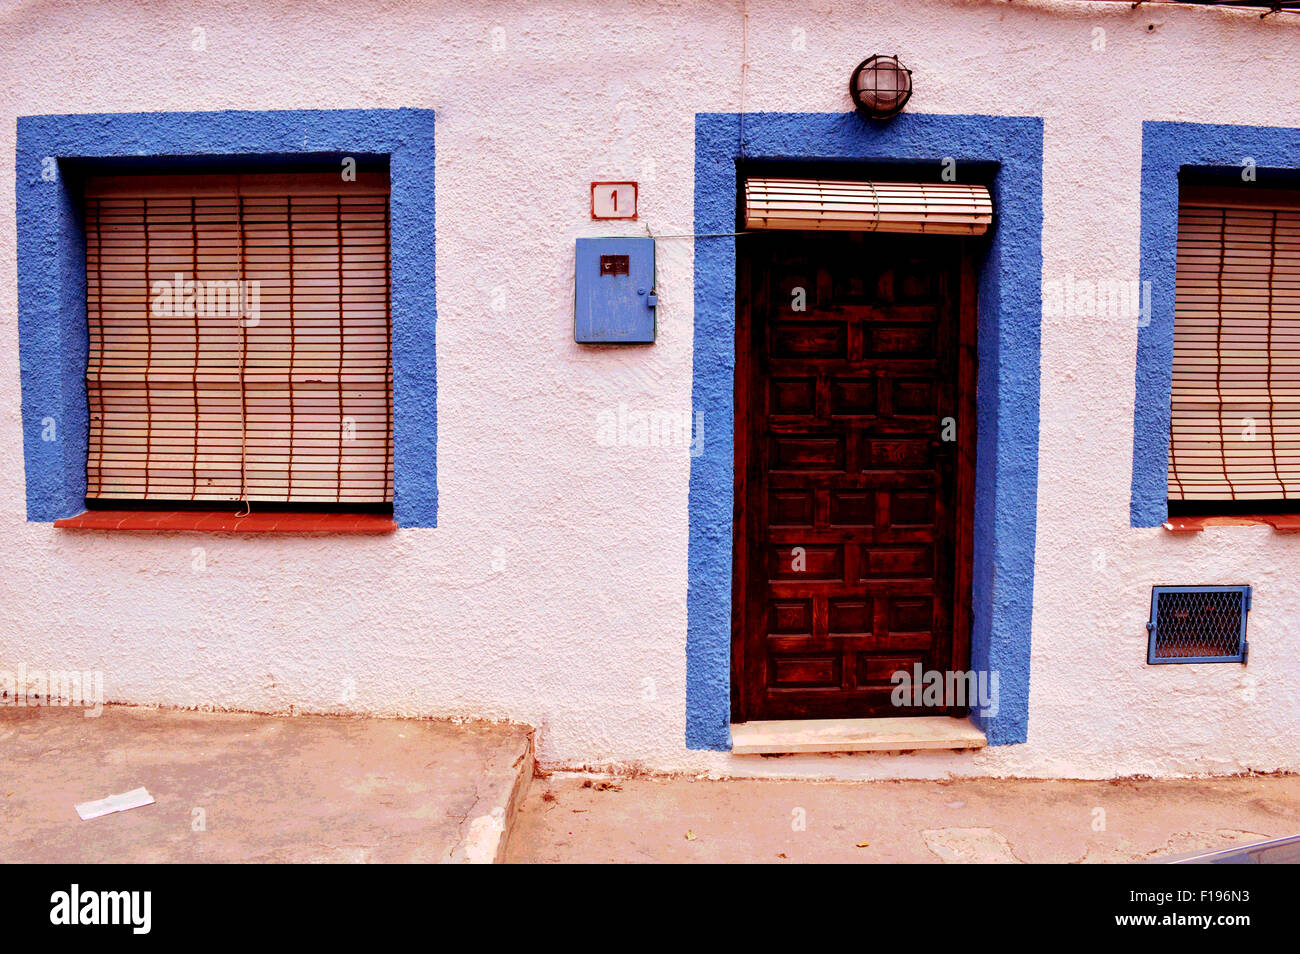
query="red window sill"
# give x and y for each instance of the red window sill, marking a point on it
(1281, 522)
(226, 522)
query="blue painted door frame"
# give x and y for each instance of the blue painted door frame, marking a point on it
(1010, 307)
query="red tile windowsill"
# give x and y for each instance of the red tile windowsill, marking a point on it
(152, 521)
(1281, 522)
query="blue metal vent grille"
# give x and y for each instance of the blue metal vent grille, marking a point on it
(1198, 624)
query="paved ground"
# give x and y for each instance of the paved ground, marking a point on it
(236, 787)
(571, 819)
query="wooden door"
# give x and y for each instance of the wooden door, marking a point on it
(855, 443)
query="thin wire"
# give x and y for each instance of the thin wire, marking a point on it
(243, 355)
(692, 234)
(1273, 304)
(875, 198)
(744, 70)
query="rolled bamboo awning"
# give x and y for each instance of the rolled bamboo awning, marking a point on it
(918, 207)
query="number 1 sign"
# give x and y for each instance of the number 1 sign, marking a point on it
(613, 200)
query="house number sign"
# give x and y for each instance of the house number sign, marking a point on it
(613, 200)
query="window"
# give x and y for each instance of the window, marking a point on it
(53, 157)
(1235, 422)
(239, 339)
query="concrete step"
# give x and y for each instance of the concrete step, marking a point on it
(238, 787)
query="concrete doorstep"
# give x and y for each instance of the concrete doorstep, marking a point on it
(237, 787)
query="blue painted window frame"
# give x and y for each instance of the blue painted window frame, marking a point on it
(1010, 308)
(1168, 148)
(1154, 634)
(52, 334)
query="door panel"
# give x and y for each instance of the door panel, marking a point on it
(853, 349)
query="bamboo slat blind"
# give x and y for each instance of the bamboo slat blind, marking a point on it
(284, 394)
(1235, 426)
(931, 208)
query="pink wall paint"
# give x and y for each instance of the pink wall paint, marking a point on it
(554, 589)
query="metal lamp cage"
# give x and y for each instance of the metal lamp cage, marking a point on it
(880, 100)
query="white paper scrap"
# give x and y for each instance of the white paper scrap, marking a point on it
(114, 803)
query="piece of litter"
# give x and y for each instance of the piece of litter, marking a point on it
(135, 798)
(864, 844)
(690, 835)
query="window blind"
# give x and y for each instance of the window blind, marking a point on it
(930, 208)
(239, 338)
(1235, 425)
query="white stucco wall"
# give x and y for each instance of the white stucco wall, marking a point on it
(554, 589)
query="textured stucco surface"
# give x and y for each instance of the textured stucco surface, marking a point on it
(553, 590)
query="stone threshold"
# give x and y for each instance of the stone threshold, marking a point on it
(855, 735)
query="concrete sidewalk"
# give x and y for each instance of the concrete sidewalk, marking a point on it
(572, 819)
(241, 787)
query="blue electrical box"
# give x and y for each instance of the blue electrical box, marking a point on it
(615, 291)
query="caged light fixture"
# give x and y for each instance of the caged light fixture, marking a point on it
(880, 87)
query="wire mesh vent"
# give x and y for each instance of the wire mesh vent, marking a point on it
(1198, 624)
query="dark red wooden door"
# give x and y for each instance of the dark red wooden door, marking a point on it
(855, 447)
